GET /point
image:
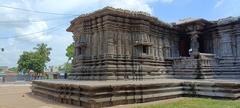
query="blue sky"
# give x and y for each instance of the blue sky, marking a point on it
(15, 24)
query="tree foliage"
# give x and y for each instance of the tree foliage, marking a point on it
(67, 67)
(70, 52)
(35, 60)
(43, 51)
(14, 69)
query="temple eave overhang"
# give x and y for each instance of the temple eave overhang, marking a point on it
(109, 11)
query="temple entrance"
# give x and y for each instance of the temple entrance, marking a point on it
(184, 46)
(205, 45)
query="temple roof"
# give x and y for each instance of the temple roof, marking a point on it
(120, 13)
(147, 17)
(107, 9)
(227, 20)
(192, 21)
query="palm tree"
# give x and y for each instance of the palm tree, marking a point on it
(44, 51)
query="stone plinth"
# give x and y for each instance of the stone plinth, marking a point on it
(96, 94)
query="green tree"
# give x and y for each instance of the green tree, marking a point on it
(38, 63)
(67, 67)
(70, 52)
(25, 62)
(35, 61)
(43, 51)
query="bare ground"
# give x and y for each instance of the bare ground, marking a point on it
(20, 96)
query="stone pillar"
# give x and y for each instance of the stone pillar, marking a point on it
(174, 47)
(160, 48)
(127, 43)
(75, 46)
(87, 41)
(215, 44)
(226, 47)
(238, 46)
(119, 44)
(166, 47)
(76, 51)
(237, 29)
(194, 43)
(155, 47)
(101, 52)
(110, 42)
(94, 44)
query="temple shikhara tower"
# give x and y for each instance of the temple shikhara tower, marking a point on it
(125, 57)
(115, 44)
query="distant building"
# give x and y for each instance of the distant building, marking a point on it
(52, 69)
(11, 76)
(7, 75)
(3, 68)
(2, 76)
(52, 72)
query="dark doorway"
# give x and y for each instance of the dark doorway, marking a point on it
(201, 45)
(184, 46)
(205, 43)
(145, 49)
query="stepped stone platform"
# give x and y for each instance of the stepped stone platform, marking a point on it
(96, 94)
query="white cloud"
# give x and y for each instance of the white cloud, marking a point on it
(10, 55)
(167, 1)
(8, 14)
(59, 46)
(136, 5)
(218, 3)
(85, 5)
(227, 8)
(25, 26)
(62, 6)
(35, 31)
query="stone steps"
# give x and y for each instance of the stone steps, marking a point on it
(96, 94)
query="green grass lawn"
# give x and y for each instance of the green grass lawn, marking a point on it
(196, 103)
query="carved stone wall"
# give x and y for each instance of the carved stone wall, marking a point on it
(116, 44)
(225, 33)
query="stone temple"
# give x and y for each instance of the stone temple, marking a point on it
(124, 57)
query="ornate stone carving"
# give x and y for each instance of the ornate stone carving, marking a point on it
(116, 44)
